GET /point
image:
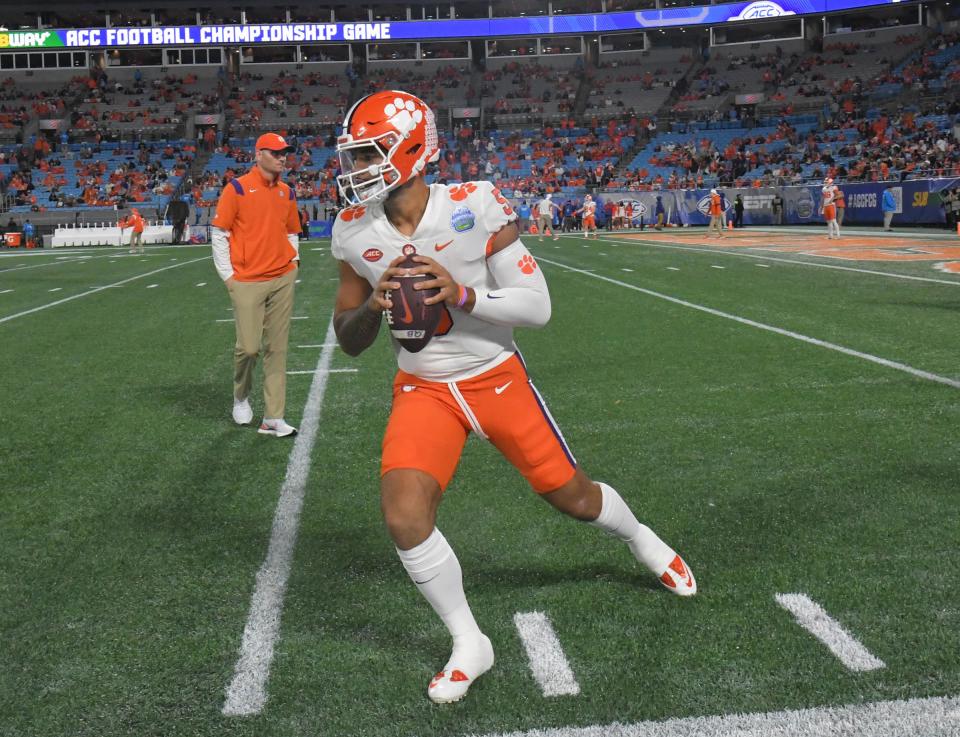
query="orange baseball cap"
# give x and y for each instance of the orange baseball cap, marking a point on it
(273, 142)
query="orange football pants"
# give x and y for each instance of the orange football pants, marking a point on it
(829, 212)
(430, 421)
(589, 221)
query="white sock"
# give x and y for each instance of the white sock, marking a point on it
(435, 570)
(617, 519)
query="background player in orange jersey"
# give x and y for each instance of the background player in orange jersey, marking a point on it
(469, 377)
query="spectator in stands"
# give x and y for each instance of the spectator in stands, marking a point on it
(738, 211)
(256, 251)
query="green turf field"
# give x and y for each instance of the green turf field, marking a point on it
(134, 515)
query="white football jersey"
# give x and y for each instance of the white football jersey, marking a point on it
(589, 209)
(454, 231)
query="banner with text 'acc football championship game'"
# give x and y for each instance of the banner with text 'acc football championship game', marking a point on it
(297, 33)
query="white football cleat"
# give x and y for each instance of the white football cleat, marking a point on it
(464, 667)
(679, 578)
(242, 412)
(277, 428)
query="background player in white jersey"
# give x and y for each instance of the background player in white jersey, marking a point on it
(828, 208)
(545, 208)
(589, 211)
(469, 377)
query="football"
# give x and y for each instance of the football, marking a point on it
(411, 321)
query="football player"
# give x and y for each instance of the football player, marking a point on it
(589, 211)
(828, 208)
(470, 376)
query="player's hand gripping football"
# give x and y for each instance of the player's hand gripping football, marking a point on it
(449, 288)
(380, 298)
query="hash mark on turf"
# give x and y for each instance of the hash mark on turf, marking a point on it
(763, 266)
(672, 268)
(831, 633)
(202, 284)
(152, 286)
(714, 266)
(547, 659)
(329, 371)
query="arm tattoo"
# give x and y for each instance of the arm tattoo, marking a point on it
(357, 329)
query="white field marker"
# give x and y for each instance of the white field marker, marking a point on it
(763, 266)
(547, 660)
(831, 633)
(247, 692)
(228, 319)
(630, 270)
(771, 328)
(932, 717)
(301, 317)
(152, 286)
(672, 268)
(202, 284)
(714, 266)
(99, 289)
(329, 371)
(6, 291)
(55, 289)
(319, 345)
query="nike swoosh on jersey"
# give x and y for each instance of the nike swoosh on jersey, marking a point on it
(251, 191)
(441, 246)
(502, 389)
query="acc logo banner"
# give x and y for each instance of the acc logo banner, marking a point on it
(761, 9)
(704, 205)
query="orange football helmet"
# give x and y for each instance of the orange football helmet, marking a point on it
(388, 138)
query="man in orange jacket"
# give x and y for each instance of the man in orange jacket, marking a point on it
(137, 223)
(256, 249)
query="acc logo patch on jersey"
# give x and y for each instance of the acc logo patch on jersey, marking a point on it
(372, 254)
(463, 220)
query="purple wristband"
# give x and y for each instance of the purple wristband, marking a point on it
(463, 296)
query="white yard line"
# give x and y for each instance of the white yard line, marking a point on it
(545, 653)
(98, 289)
(247, 692)
(329, 371)
(932, 717)
(831, 633)
(319, 345)
(836, 267)
(771, 328)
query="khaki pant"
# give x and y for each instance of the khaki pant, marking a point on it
(716, 224)
(840, 213)
(136, 239)
(261, 313)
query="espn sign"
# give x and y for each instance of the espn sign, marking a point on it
(760, 10)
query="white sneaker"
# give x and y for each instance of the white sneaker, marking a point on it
(468, 661)
(242, 412)
(277, 428)
(679, 578)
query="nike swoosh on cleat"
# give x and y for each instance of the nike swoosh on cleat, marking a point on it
(441, 246)
(494, 296)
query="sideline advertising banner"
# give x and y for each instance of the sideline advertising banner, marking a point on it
(918, 203)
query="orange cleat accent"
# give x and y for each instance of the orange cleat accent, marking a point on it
(679, 578)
